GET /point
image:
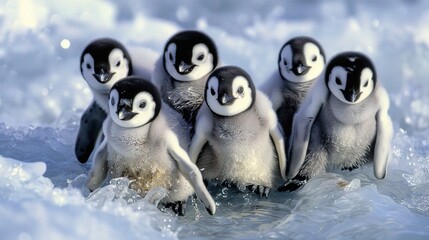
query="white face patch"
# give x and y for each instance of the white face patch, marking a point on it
(313, 58)
(285, 63)
(119, 66)
(338, 80)
(202, 63)
(241, 91)
(143, 107)
(366, 84)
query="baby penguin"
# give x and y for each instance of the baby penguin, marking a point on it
(103, 62)
(236, 133)
(181, 73)
(301, 60)
(140, 144)
(343, 123)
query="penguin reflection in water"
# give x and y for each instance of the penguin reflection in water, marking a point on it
(140, 144)
(236, 133)
(343, 123)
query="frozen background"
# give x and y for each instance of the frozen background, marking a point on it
(42, 96)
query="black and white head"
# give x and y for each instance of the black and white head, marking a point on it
(351, 77)
(229, 91)
(103, 62)
(190, 55)
(134, 102)
(301, 59)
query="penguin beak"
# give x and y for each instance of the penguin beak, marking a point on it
(351, 95)
(103, 77)
(125, 110)
(226, 99)
(301, 69)
(185, 68)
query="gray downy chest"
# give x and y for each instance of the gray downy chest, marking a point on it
(244, 128)
(346, 131)
(184, 96)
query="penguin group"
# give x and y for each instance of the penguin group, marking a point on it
(192, 121)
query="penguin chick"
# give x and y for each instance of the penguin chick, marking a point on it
(301, 60)
(236, 133)
(139, 144)
(102, 63)
(343, 123)
(181, 72)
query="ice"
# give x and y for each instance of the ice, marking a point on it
(42, 96)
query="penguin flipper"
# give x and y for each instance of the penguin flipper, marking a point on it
(265, 110)
(301, 127)
(89, 129)
(99, 168)
(384, 136)
(190, 171)
(202, 125)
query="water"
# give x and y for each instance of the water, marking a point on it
(42, 96)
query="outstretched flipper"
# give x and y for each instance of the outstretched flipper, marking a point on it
(384, 136)
(199, 139)
(190, 171)
(99, 169)
(301, 128)
(89, 130)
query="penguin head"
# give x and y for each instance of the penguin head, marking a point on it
(229, 91)
(351, 77)
(103, 62)
(190, 55)
(134, 102)
(301, 59)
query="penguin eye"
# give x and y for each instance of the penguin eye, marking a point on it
(366, 84)
(118, 63)
(200, 57)
(170, 56)
(285, 62)
(88, 66)
(314, 58)
(142, 104)
(337, 81)
(212, 91)
(240, 90)
(112, 101)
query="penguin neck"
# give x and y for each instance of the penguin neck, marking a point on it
(297, 89)
(101, 99)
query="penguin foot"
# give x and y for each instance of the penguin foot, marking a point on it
(177, 207)
(349, 168)
(292, 185)
(259, 189)
(227, 183)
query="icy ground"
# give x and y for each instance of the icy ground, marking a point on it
(42, 96)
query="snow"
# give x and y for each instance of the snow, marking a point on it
(42, 96)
